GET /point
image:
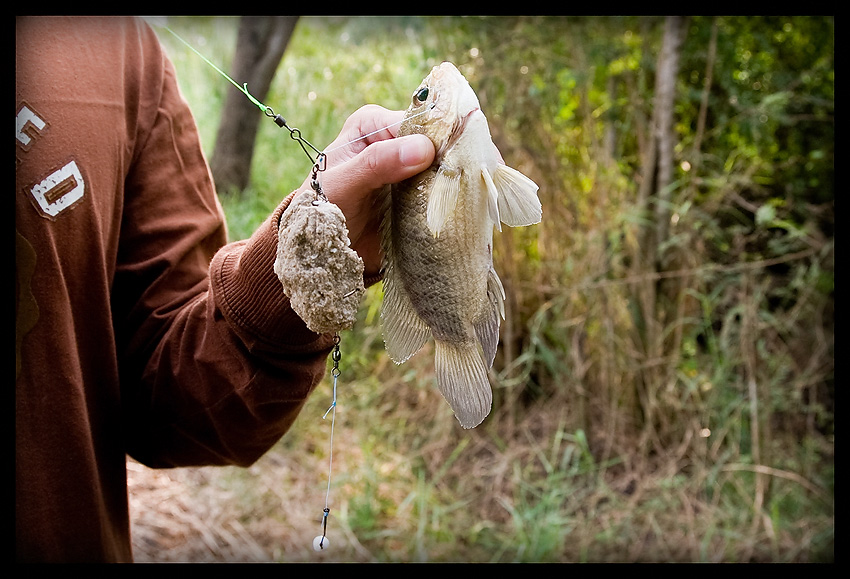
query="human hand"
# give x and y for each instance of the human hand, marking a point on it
(357, 171)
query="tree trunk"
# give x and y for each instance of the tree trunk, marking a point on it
(696, 153)
(653, 202)
(260, 44)
(665, 96)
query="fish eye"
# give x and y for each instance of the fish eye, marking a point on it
(422, 94)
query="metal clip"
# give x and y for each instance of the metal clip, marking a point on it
(326, 510)
(295, 135)
(320, 165)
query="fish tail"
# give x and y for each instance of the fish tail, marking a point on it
(462, 378)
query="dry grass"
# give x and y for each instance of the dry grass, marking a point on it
(410, 485)
(200, 515)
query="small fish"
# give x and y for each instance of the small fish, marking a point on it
(437, 236)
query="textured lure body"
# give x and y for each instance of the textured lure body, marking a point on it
(437, 237)
(320, 273)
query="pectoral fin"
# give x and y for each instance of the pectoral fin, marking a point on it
(442, 199)
(516, 195)
(462, 378)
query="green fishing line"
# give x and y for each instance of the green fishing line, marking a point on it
(243, 88)
(320, 162)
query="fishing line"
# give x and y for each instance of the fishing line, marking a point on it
(320, 542)
(375, 132)
(320, 162)
(244, 88)
(294, 133)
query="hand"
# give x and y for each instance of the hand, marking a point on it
(359, 170)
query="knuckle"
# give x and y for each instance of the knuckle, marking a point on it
(372, 159)
(361, 115)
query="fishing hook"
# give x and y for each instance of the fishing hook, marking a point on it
(320, 165)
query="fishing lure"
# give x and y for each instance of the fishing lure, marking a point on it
(325, 297)
(320, 224)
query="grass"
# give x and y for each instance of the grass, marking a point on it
(532, 483)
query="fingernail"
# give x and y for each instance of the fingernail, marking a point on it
(414, 151)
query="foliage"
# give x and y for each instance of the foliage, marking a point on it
(717, 447)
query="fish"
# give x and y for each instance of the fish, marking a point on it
(437, 240)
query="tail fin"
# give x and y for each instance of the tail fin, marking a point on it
(462, 378)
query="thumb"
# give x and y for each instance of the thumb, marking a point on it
(352, 186)
(388, 161)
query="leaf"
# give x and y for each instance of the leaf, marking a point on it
(765, 214)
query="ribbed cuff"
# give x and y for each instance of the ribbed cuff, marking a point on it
(250, 296)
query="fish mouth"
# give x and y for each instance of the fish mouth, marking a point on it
(457, 131)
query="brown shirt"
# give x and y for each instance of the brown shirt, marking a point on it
(138, 330)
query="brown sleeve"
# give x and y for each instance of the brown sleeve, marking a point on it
(215, 364)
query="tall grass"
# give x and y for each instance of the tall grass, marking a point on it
(565, 469)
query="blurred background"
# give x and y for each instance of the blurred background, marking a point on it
(664, 387)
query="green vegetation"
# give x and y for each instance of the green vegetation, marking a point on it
(696, 424)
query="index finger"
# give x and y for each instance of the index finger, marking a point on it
(367, 125)
(381, 125)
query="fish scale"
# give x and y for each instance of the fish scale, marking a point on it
(425, 263)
